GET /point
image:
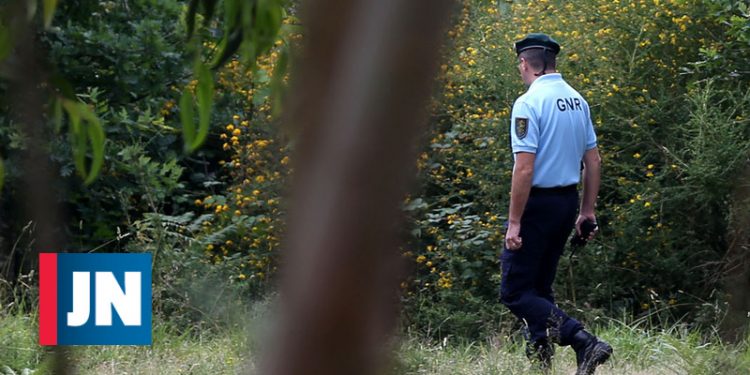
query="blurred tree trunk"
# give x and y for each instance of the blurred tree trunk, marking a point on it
(735, 326)
(361, 96)
(26, 70)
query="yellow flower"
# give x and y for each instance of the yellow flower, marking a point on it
(230, 127)
(421, 259)
(242, 276)
(236, 132)
(637, 155)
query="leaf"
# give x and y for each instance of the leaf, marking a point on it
(228, 47)
(205, 92)
(232, 9)
(261, 95)
(49, 11)
(187, 116)
(288, 29)
(415, 204)
(85, 134)
(277, 81)
(96, 139)
(190, 17)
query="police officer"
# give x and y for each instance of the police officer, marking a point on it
(551, 135)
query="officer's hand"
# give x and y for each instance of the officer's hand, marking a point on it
(513, 239)
(581, 219)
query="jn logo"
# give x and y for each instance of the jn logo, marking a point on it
(95, 299)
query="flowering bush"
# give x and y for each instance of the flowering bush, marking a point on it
(247, 214)
(665, 135)
(669, 145)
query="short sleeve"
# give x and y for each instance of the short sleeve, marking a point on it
(524, 128)
(590, 132)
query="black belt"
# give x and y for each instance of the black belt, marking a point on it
(557, 190)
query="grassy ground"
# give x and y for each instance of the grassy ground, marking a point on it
(637, 351)
(172, 352)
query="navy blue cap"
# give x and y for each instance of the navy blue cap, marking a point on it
(536, 40)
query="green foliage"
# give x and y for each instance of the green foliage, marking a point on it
(205, 92)
(463, 316)
(190, 291)
(143, 173)
(724, 53)
(132, 52)
(251, 28)
(86, 134)
(49, 11)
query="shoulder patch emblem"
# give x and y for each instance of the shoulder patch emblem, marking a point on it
(522, 127)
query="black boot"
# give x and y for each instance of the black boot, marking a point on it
(541, 353)
(590, 352)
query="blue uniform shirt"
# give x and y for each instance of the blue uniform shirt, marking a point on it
(553, 121)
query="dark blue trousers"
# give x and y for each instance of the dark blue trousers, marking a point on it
(528, 273)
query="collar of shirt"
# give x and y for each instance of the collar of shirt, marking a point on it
(549, 77)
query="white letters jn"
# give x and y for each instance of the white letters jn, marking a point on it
(108, 295)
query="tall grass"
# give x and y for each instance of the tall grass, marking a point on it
(638, 351)
(640, 348)
(173, 352)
